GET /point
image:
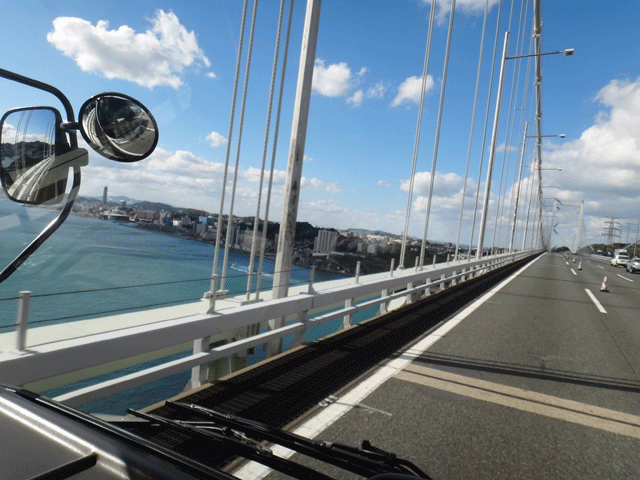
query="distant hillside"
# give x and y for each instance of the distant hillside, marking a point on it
(144, 205)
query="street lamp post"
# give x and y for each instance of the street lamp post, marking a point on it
(494, 134)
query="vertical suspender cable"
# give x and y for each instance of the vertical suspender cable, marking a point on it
(517, 177)
(506, 158)
(256, 221)
(473, 119)
(240, 126)
(526, 224)
(437, 139)
(416, 142)
(275, 147)
(229, 137)
(486, 124)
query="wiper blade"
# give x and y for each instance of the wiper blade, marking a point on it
(240, 445)
(366, 460)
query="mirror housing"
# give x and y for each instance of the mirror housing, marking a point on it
(118, 127)
(35, 157)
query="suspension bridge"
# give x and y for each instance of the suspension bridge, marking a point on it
(509, 359)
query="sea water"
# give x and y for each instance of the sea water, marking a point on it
(93, 268)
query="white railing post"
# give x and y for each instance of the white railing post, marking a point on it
(213, 293)
(312, 274)
(427, 291)
(417, 261)
(357, 272)
(22, 323)
(299, 340)
(434, 261)
(200, 373)
(383, 305)
(347, 320)
(393, 261)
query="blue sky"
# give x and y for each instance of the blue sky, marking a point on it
(179, 59)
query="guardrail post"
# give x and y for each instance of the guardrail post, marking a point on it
(312, 273)
(410, 295)
(443, 283)
(417, 261)
(347, 320)
(358, 272)
(22, 323)
(427, 291)
(393, 261)
(383, 305)
(434, 261)
(454, 280)
(448, 257)
(200, 373)
(299, 337)
(213, 293)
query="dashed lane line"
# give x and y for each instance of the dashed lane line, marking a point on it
(595, 300)
(573, 271)
(625, 278)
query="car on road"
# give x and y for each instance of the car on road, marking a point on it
(620, 260)
(633, 265)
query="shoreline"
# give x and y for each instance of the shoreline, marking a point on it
(200, 240)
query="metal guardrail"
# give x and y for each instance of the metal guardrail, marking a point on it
(63, 357)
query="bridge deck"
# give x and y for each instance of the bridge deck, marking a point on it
(290, 385)
(534, 381)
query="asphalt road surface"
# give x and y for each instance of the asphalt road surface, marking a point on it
(538, 379)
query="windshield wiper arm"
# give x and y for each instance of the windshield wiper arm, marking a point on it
(367, 460)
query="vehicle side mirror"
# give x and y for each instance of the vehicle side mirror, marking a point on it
(118, 127)
(35, 157)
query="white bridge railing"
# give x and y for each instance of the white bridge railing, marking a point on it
(57, 359)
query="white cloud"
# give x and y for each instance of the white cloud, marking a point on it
(443, 184)
(332, 81)
(252, 174)
(605, 161)
(153, 58)
(215, 139)
(382, 183)
(469, 7)
(211, 75)
(376, 91)
(409, 90)
(356, 99)
(315, 184)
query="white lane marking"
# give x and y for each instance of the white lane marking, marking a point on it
(330, 414)
(538, 403)
(573, 271)
(599, 266)
(595, 300)
(625, 278)
(567, 263)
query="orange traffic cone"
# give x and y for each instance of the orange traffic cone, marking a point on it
(605, 285)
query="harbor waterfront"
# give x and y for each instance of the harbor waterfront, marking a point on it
(94, 268)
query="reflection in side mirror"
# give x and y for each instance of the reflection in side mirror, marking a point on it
(118, 127)
(33, 167)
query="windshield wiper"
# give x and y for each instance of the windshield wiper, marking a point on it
(245, 438)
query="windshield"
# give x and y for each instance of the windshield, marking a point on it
(298, 165)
